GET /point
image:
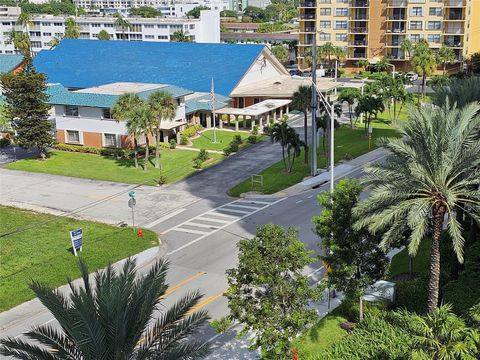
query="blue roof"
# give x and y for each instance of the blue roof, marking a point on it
(202, 102)
(9, 62)
(86, 63)
(58, 95)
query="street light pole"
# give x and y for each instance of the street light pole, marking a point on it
(393, 66)
(314, 105)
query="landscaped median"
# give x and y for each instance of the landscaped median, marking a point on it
(349, 144)
(175, 165)
(42, 250)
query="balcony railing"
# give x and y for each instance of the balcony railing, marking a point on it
(358, 30)
(307, 16)
(359, 18)
(360, 42)
(397, 17)
(455, 17)
(453, 44)
(359, 3)
(308, 4)
(309, 29)
(396, 30)
(455, 3)
(397, 3)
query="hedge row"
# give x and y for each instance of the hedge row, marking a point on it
(114, 152)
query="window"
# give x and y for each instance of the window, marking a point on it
(325, 11)
(6, 23)
(341, 12)
(433, 38)
(415, 38)
(340, 24)
(416, 11)
(110, 140)
(96, 25)
(35, 33)
(59, 35)
(71, 110)
(415, 25)
(58, 24)
(148, 26)
(324, 24)
(324, 37)
(108, 25)
(73, 136)
(150, 37)
(325, 1)
(435, 11)
(434, 25)
(47, 34)
(341, 37)
(162, 26)
(162, 37)
(36, 44)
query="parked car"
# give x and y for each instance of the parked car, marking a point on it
(411, 76)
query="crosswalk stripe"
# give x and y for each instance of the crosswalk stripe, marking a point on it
(235, 211)
(254, 202)
(244, 206)
(190, 231)
(221, 215)
(213, 220)
(191, 223)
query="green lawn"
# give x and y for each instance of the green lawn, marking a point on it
(205, 141)
(176, 164)
(347, 141)
(44, 252)
(323, 334)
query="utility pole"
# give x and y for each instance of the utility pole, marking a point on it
(314, 105)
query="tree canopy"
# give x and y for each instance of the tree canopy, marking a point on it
(145, 12)
(195, 12)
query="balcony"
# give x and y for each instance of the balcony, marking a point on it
(454, 17)
(358, 30)
(307, 16)
(396, 31)
(359, 18)
(359, 3)
(397, 4)
(397, 17)
(455, 31)
(453, 44)
(307, 4)
(360, 42)
(308, 30)
(455, 3)
(357, 55)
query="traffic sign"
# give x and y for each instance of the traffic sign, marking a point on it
(77, 240)
(132, 202)
(131, 194)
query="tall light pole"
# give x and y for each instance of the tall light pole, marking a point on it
(314, 105)
(393, 72)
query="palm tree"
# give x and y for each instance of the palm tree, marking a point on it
(442, 335)
(72, 29)
(113, 319)
(370, 106)
(407, 47)
(445, 55)
(301, 100)
(122, 23)
(327, 50)
(290, 141)
(180, 36)
(349, 95)
(122, 110)
(145, 117)
(280, 52)
(433, 170)
(25, 20)
(363, 64)
(382, 65)
(459, 91)
(164, 108)
(424, 61)
(279, 134)
(21, 42)
(54, 42)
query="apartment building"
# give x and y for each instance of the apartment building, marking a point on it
(373, 29)
(45, 28)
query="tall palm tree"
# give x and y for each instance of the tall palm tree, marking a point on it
(122, 23)
(433, 170)
(407, 47)
(442, 335)
(349, 95)
(370, 106)
(424, 61)
(145, 117)
(327, 50)
(301, 100)
(72, 29)
(122, 110)
(25, 20)
(459, 91)
(21, 42)
(382, 64)
(113, 319)
(164, 108)
(445, 55)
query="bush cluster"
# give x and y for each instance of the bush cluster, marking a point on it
(200, 159)
(252, 139)
(173, 143)
(113, 152)
(233, 146)
(191, 130)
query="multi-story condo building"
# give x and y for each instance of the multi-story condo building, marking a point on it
(372, 29)
(45, 28)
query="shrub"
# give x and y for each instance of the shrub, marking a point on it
(203, 155)
(227, 150)
(252, 139)
(78, 148)
(234, 146)
(183, 139)
(162, 180)
(173, 143)
(255, 130)
(348, 156)
(221, 325)
(412, 294)
(237, 139)
(191, 130)
(4, 142)
(197, 163)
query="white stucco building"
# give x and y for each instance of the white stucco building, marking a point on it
(45, 28)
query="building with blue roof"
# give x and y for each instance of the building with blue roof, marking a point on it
(10, 62)
(81, 64)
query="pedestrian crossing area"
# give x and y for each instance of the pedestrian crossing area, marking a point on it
(216, 219)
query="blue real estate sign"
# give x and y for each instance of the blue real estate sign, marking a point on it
(77, 240)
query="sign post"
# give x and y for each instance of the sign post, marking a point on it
(131, 204)
(77, 240)
(370, 131)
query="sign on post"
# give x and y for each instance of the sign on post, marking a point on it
(131, 194)
(131, 204)
(77, 240)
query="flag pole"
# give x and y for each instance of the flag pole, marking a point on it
(212, 107)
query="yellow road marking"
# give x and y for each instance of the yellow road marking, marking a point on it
(174, 288)
(205, 302)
